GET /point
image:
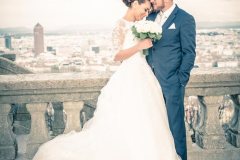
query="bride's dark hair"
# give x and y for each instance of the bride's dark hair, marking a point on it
(129, 2)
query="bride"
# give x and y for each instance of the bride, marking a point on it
(130, 122)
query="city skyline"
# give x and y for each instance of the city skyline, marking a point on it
(61, 13)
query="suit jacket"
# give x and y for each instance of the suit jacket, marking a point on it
(172, 57)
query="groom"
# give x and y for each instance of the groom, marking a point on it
(171, 59)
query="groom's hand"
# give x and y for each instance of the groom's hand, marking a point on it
(188, 45)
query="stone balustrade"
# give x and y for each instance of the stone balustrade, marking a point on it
(72, 91)
(210, 86)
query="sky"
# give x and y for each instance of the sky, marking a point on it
(59, 13)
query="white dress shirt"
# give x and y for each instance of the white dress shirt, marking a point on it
(163, 16)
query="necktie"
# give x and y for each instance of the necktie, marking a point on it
(159, 18)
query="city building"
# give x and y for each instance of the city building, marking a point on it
(95, 49)
(51, 50)
(38, 39)
(8, 42)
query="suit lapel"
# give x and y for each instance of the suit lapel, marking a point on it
(170, 18)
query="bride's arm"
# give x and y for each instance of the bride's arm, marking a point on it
(126, 53)
(118, 37)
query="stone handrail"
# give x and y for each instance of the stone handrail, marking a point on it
(214, 82)
(33, 88)
(74, 89)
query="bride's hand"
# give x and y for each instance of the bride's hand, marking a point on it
(126, 53)
(144, 44)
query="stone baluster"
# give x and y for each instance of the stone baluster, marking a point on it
(209, 132)
(87, 111)
(8, 144)
(233, 132)
(22, 120)
(39, 132)
(73, 110)
(58, 124)
(188, 127)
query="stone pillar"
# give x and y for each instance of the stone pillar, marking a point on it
(58, 124)
(22, 120)
(209, 132)
(187, 123)
(72, 110)
(39, 132)
(189, 139)
(233, 132)
(87, 112)
(8, 144)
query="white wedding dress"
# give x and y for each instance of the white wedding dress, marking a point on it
(130, 122)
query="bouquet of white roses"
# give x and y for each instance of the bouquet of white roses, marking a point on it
(147, 29)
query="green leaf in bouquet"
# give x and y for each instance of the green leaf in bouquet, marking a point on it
(143, 35)
(151, 35)
(134, 30)
(158, 36)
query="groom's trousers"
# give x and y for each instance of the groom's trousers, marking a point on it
(173, 94)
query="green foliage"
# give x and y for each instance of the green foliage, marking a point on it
(144, 35)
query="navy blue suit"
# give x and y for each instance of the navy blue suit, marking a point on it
(171, 59)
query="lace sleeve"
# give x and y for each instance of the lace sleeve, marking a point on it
(118, 36)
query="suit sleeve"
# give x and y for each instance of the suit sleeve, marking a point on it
(188, 45)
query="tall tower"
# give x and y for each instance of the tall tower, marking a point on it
(38, 39)
(8, 41)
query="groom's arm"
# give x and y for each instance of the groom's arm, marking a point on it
(188, 45)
